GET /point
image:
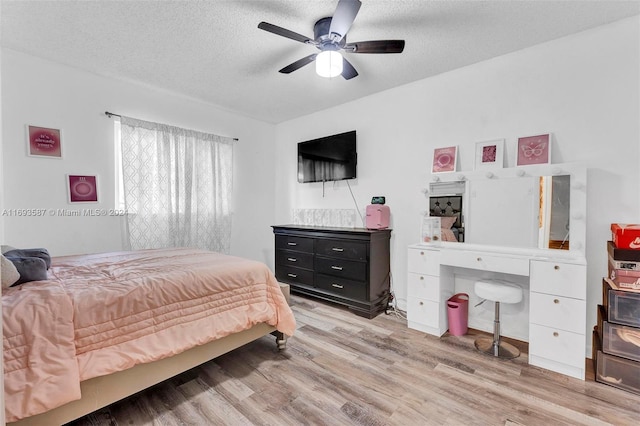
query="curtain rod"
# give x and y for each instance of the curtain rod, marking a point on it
(110, 114)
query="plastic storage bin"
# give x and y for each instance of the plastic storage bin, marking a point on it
(458, 314)
(623, 307)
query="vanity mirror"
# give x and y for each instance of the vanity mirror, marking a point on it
(533, 207)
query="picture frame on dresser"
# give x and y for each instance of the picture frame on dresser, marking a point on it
(445, 159)
(489, 155)
(534, 150)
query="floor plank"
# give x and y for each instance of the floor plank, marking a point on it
(341, 369)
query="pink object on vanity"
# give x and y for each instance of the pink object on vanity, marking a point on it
(378, 216)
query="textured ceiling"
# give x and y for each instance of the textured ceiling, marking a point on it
(213, 50)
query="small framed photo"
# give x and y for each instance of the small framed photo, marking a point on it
(445, 159)
(489, 155)
(430, 232)
(82, 188)
(44, 142)
(534, 150)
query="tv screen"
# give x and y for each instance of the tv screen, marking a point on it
(328, 159)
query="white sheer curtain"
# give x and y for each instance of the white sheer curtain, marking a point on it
(177, 186)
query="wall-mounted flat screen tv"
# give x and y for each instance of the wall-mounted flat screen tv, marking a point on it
(327, 159)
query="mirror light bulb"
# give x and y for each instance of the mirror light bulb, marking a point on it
(329, 64)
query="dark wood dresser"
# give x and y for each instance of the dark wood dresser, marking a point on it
(350, 266)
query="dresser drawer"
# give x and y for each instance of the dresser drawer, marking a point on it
(342, 249)
(294, 258)
(557, 345)
(291, 275)
(424, 312)
(424, 261)
(349, 269)
(289, 242)
(342, 287)
(563, 279)
(486, 262)
(559, 312)
(423, 287)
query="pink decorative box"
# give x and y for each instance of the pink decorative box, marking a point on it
(378, 216)
(626, 236)
(624, 278)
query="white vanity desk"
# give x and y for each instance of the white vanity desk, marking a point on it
(554, 282)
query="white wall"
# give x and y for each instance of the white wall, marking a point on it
(583, 88)
(43, 93)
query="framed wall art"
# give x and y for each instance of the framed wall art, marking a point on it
(445, 159)
(489, 155)
(534, 150)
(44, 142)
(82, 188)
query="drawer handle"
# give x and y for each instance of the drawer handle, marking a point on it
(421, 303)
(337, 285)
(421, 253)
(292, 244)
(292, 275)
(421, 277)
(556, 301)
(337, 249)
(479, 259)
(556, 267)
(337, 268)
(555, 334)
(292, 259)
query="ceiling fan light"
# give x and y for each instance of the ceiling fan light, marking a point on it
(329, 64)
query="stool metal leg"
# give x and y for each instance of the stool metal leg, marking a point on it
(494, 346)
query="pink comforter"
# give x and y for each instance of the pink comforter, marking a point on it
(102, 313)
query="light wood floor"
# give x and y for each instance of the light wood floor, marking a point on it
(341, 369)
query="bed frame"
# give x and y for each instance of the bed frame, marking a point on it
(105, 390)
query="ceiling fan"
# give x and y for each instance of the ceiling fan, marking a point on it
(330, 37)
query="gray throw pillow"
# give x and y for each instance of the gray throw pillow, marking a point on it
(42, 253)
(30, 269)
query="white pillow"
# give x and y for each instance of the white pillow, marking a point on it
(4, 249)
(9, 272)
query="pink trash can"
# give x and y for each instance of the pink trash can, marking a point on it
(458, 314)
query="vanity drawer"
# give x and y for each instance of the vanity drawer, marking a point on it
(424, 261)
(342, 249)
(424, 312)
(289, 242)
(558, 312)
(486, 262)
(344, 288)
(423, 287)
(349, 269)
(288, 274)
(563, 279)
(294, 258)
(558, 345)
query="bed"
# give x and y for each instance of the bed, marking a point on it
(105, 326)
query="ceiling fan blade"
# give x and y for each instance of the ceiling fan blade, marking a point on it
(376, 46)
(298, 64)
(348, 71)
(343, 18)
(284, 32)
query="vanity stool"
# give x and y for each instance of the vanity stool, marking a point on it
(497, 291)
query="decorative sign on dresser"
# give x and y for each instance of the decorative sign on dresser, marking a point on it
(350, 266)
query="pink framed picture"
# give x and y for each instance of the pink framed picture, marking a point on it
(489, 155)
(444, 159)
(44, 142)
(82, 189)
(534, 150)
